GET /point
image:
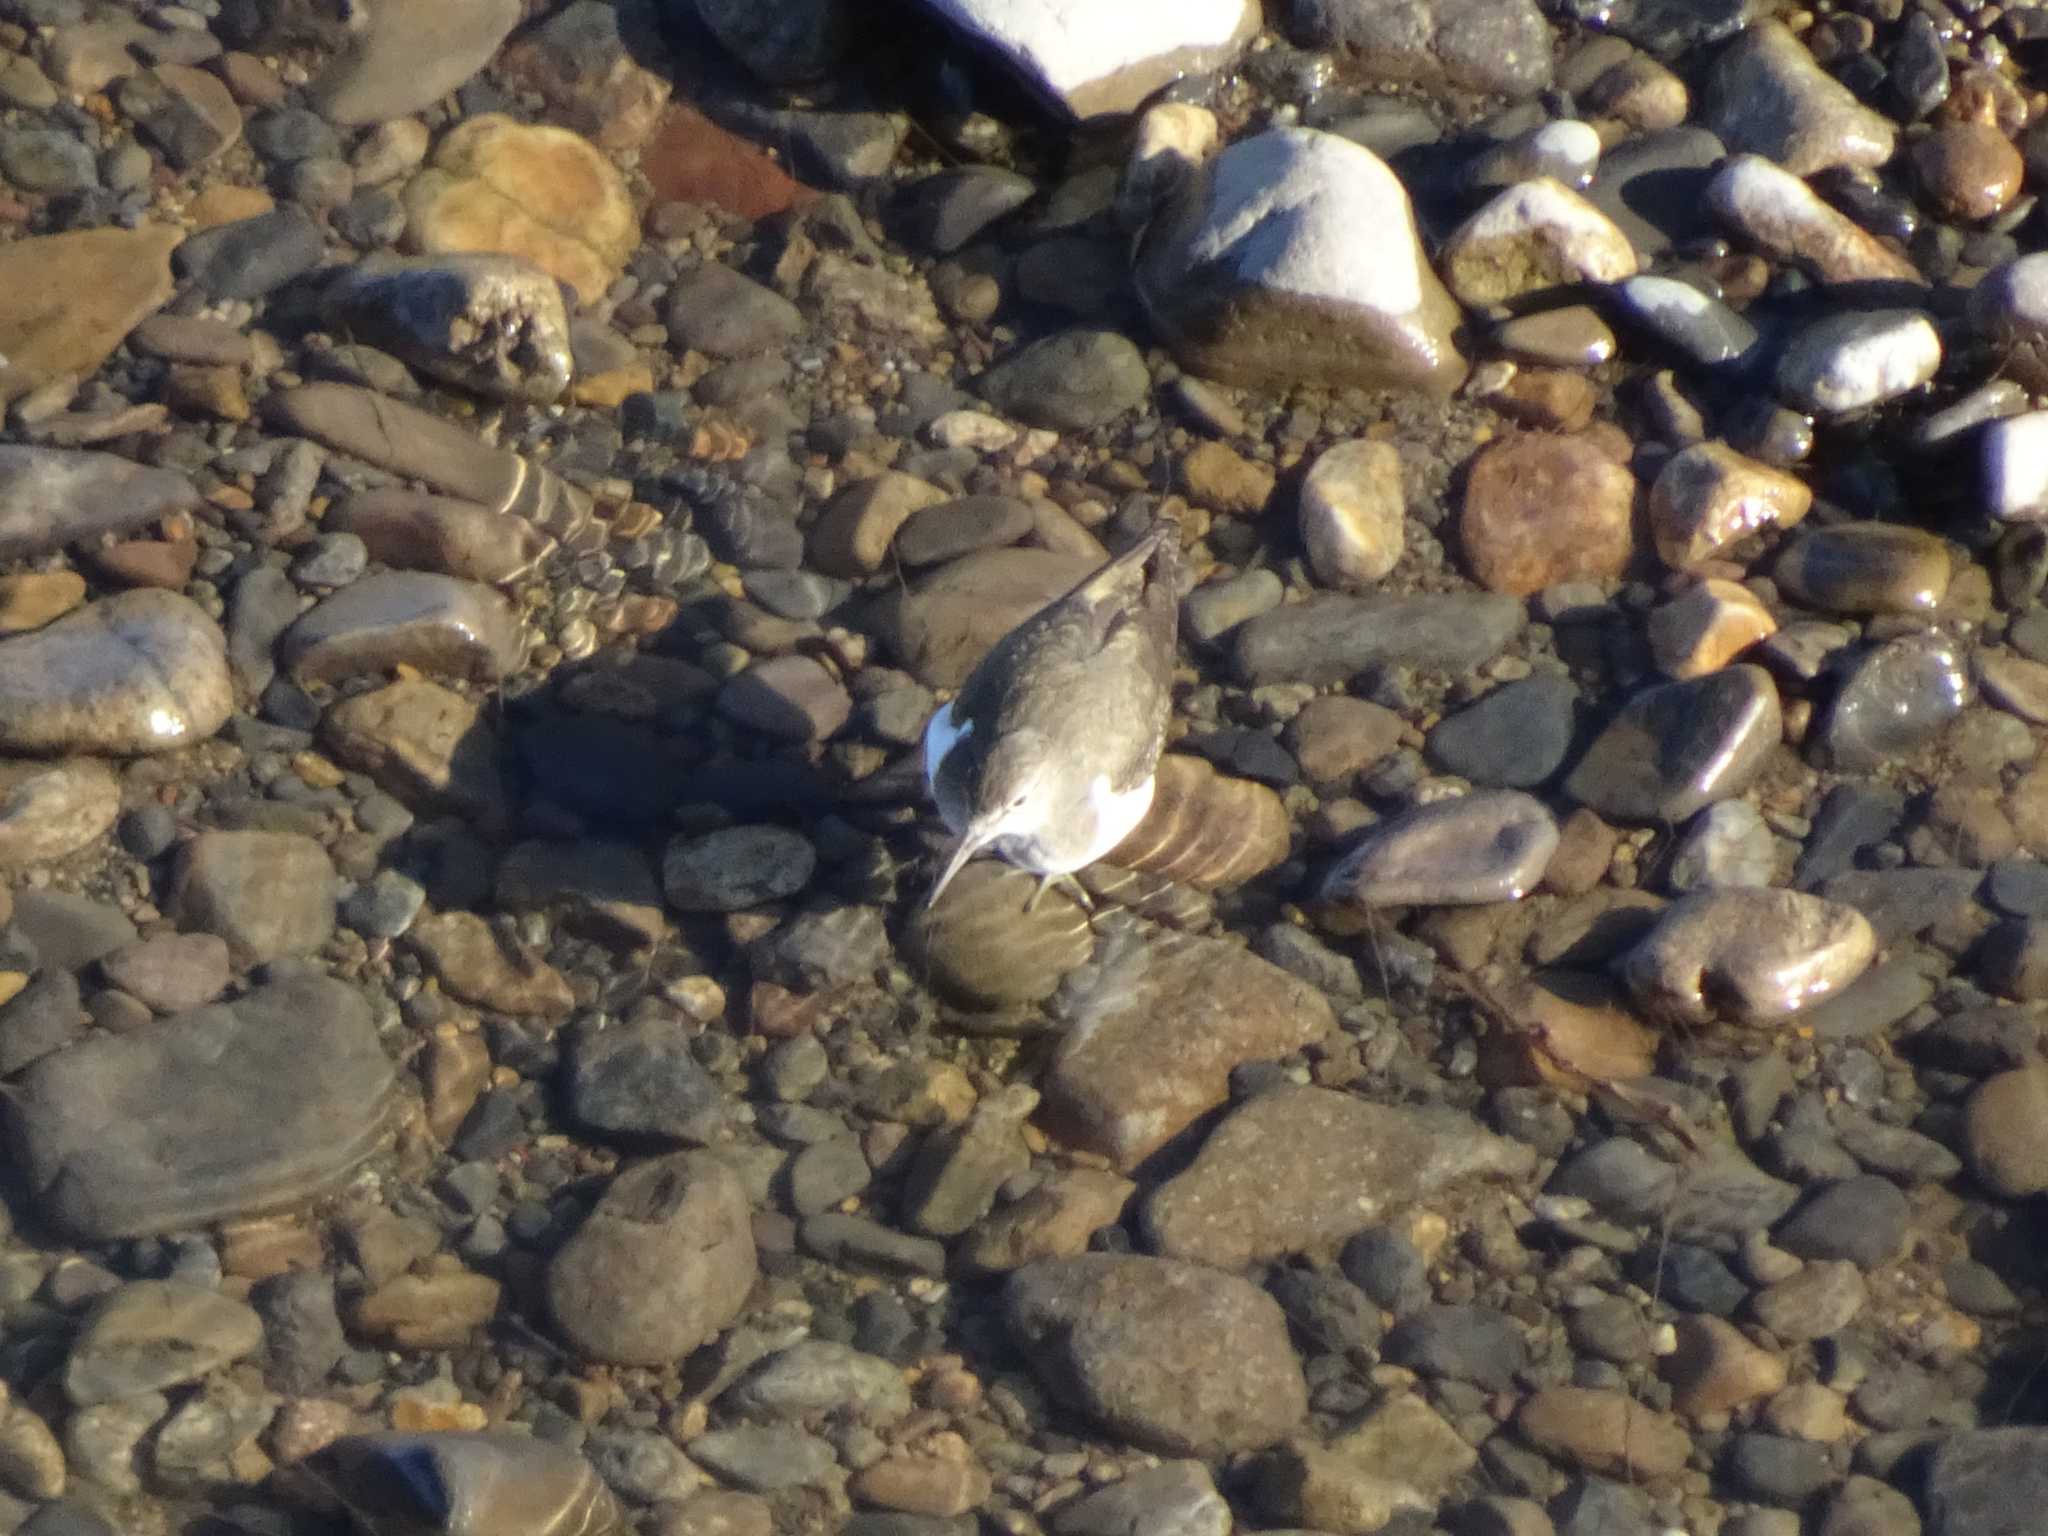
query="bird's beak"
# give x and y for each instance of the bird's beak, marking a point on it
(970, 845)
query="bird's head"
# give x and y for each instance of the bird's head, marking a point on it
(1006, 799)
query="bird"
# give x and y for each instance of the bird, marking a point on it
(1046, 756)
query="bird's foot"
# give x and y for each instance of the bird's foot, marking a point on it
(1067, 883)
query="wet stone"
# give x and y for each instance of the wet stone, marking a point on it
(2004, 1122)
(1861, 1221)
(1767, 95)
(980, 946)
(48, 810)
(818, 1376)
(1475, 1344)
(1514, 737)
(1175, 1498)
(474, 962)
(1727, 844)
(1778, 213)
(1708, 496)
(251, 257)
(412, 618)
(1471, 850)
(1987, 1482)
(1332, 639)
(721, 313)
(468, 1483)
(1198, 1006)
(1651, 187)
(765, 1458)
(272, 1097)
(1851, 362)
(1177, 1357)
(792, 698)
(1754, 955)
(1283, 1175)
(1968, 170)
(411, 54)
(951, 529)
(1402, 1456)
(938, 629)
(142, 672)
(1865, 568)
(1704, 329)
(659, 1267)
(171, 972)
(1678, 747)
(1540, 509)
(1603, 1430)
(1892, 701)
(1706, 627)
(1572, 337)
(1352, 513)
(486, 323)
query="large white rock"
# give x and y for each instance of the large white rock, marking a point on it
(1093, 57)
(1850, 362)
(1293, 258)
(1782, 216)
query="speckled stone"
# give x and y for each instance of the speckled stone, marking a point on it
(1352, 513)
(1540, 509)
(1532, 237)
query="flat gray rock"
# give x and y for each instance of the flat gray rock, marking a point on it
(1332, 639)
(237, 1107)
(50, 497)
(409, 55)
(1302, 1170)
(1988, 1482)
(1489, 846)
(1678, 747)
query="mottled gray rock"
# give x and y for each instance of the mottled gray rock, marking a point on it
(659, 1267)
(1177, 1357)
(818, 1376)
(736, 868)
(48, 810)
(1071, 382)
(721, 313)
(638, 1079)
(50, 497)
(270, 1098)
(1892, 701)
(1478, 45)
(1767, 95)
(1988, 1482)
(488, 323)
(144, 671)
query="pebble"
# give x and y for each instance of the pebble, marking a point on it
(270, 1098)
(1705, 330)
(981, 947)
(1287, 1173)
(1984, 1480)
(792, 698)
(1402, 1456)
(1678, 747)
(1727, 844)
(54, 496)
(939, 628)
(1706, 627)
(475, 964)
(1472, 850)
(1893, 700)
(1572, 337)
(389, 619)
(1254, 275)
(246, 258)
(1861, 1220)
(637, 1080)
(1851, 362)
(1174, 1498)
(1766, 95)
(1332, 639)
(816, 1376)
(951, 529)
(1754, 955)
(2009, 309)
(1715, 1369)
(1070, 382)
(764, 1458)
(1778, 213)
(1515, 737)
(172, 972)
(1180, 1358)
(1157, 1029)
(663, 1262)
(1532, 237)
(1865, 568)
(1540, 509)
(2015, 467)
(1708, 497)
(424, 744)
(2002, 1128)
(1094, 64)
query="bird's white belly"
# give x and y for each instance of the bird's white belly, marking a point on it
(941, 736)
(1105, 819)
